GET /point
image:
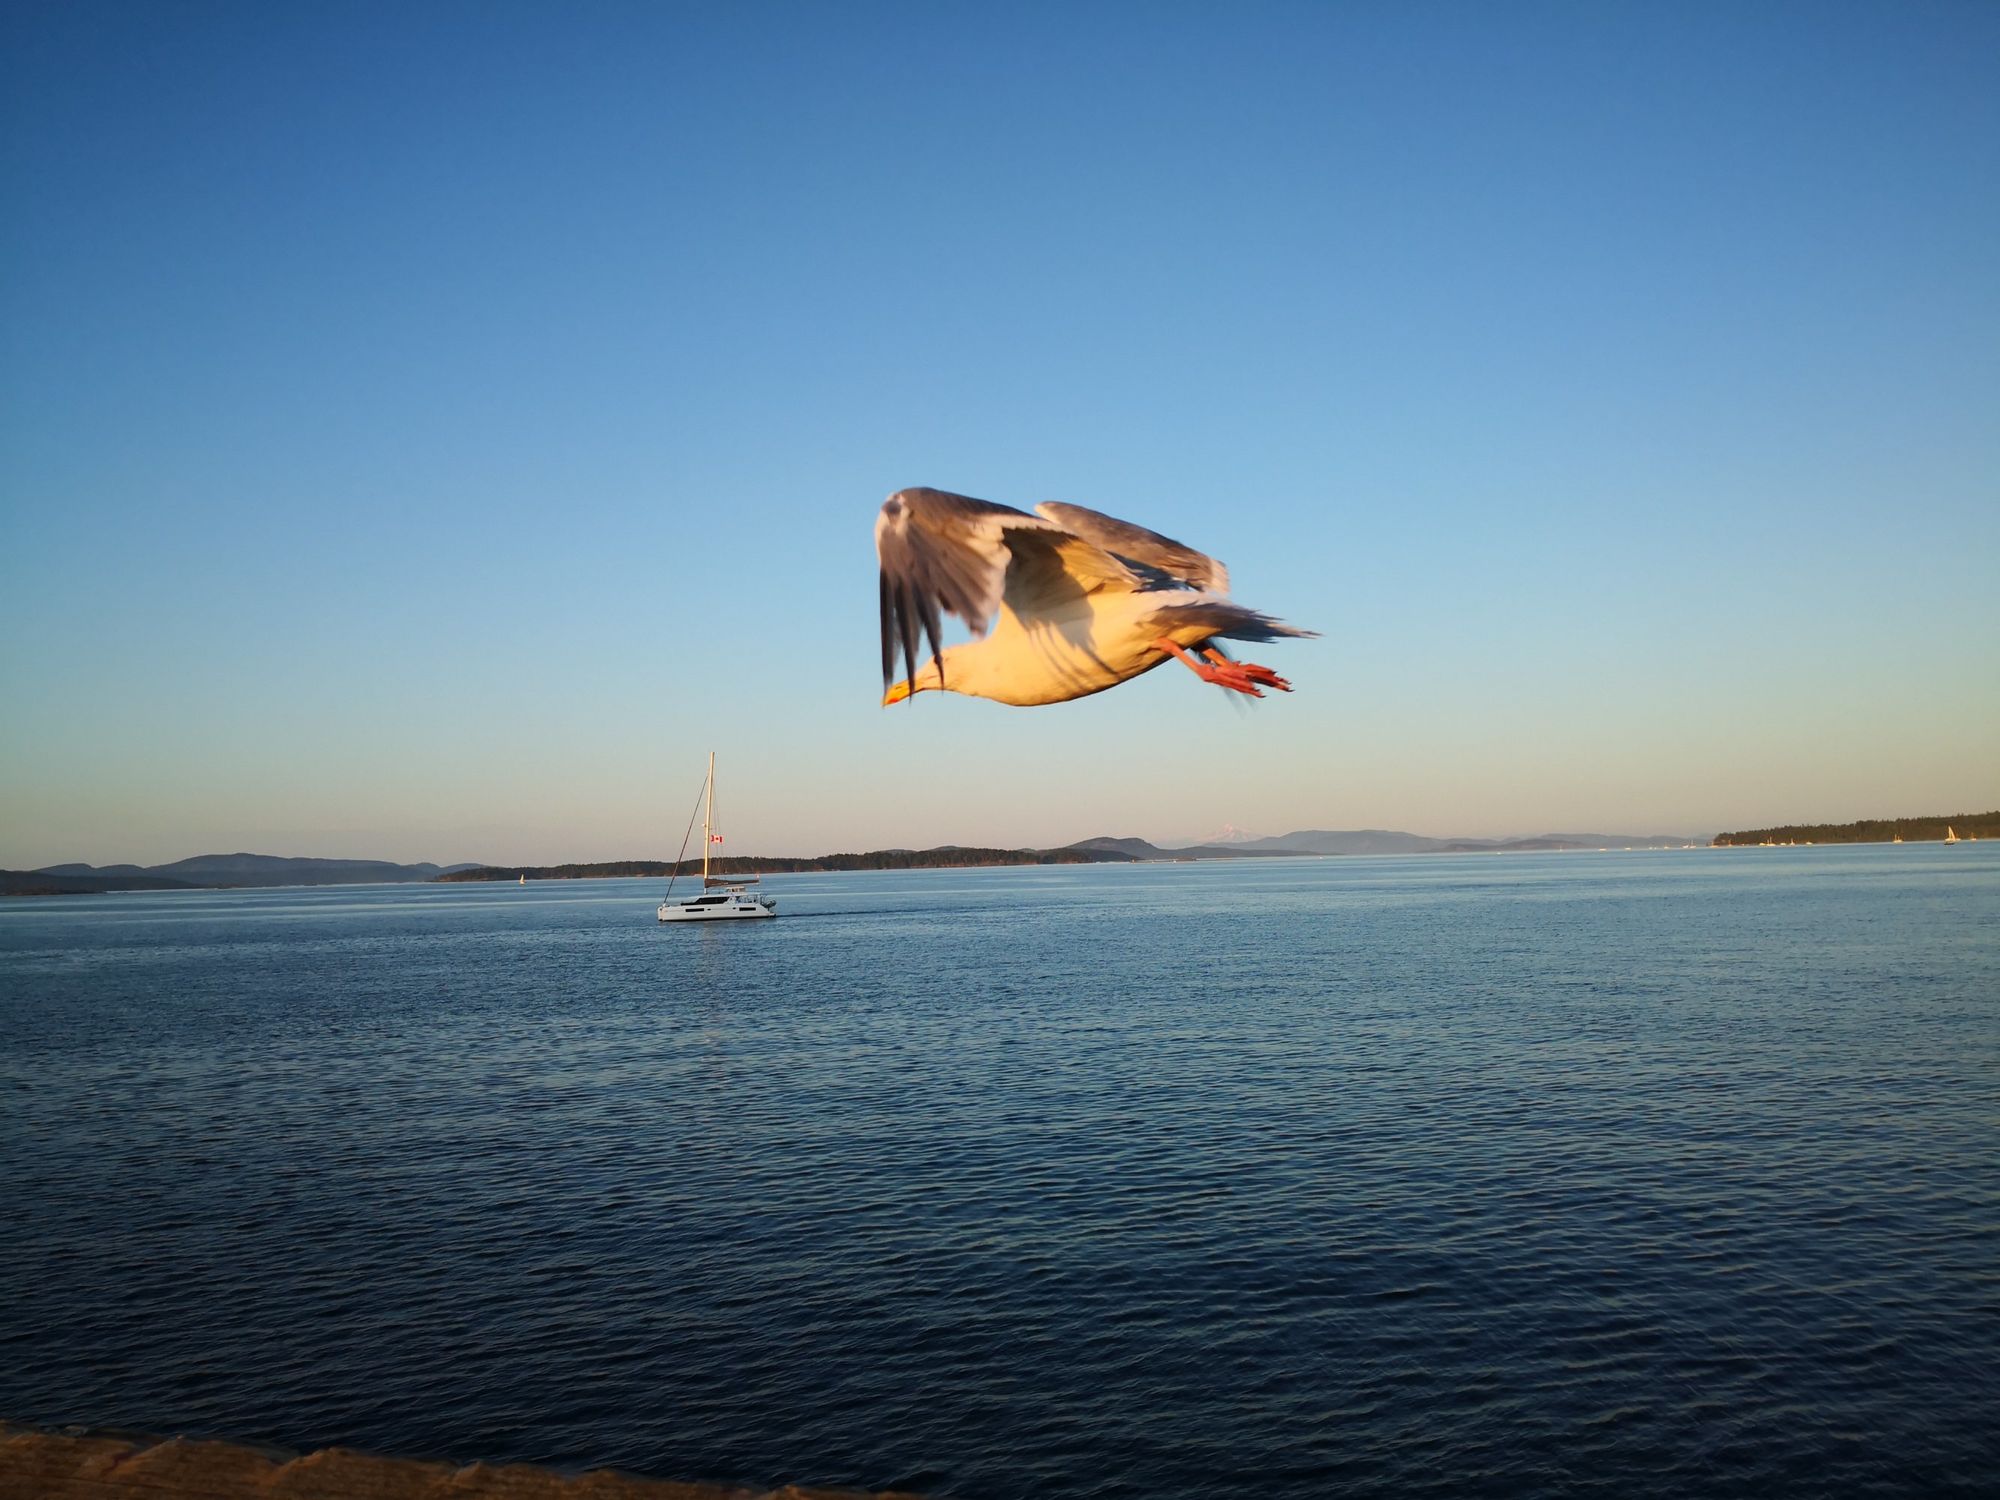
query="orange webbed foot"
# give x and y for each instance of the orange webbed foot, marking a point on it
(1238, 676)
(1249, 671)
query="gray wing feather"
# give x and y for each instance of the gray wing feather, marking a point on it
(1129, 543)
(941, 554)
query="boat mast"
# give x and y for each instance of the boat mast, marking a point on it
(707, 822)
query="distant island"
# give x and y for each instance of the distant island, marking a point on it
(1984, 825)
(1102, 850)
(213, 872)
(231, 871)
(43, 883)
(945, 857)
(1388, 841)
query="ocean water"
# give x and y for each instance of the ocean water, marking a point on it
(1617, 1174)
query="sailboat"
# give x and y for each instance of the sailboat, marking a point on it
(1950, 834)
(722, 897)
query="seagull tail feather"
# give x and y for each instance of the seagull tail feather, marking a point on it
(1236, 622)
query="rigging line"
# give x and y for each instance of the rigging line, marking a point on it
(675, 873)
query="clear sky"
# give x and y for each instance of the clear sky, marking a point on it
(426, 430)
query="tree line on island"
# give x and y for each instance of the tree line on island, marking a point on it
(1984, 825)
(949, 857)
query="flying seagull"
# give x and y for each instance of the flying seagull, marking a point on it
(1078, 602)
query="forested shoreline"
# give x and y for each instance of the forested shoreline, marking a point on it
(876, 859)
(1871, 831)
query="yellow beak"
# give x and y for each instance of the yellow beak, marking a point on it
(896, 694)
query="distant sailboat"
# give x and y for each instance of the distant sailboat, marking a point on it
(1950, 834)
(735, 900)
(524, 880)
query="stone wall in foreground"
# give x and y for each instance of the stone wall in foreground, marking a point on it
(36, 1464)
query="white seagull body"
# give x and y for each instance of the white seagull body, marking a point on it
(1077, 601)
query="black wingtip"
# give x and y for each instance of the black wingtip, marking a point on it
(933, 628)
(888, 633)
(906, 610)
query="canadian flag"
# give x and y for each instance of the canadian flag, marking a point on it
(715, 838)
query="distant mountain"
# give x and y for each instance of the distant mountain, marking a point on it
(1141, 849)
(1228, 834)
(1130, 848)
(1361, 841)
(1349, 841)
(50, 883)
(1384, 841)
(270, 869)
(211, 870)
(1578, 841)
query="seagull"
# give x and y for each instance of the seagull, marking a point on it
(1079, 602)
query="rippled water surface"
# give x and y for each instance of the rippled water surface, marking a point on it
(1625, 1174)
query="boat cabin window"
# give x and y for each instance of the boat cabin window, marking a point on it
(708, 901)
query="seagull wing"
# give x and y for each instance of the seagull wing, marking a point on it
(947, 554)
(1152, 552)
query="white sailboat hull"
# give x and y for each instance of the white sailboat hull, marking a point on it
(730, 908)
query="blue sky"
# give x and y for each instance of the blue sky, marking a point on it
(425, 431)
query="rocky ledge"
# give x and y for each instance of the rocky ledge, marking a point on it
(38, 1464)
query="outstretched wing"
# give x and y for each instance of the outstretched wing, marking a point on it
(1129, 543)
(943, 554)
